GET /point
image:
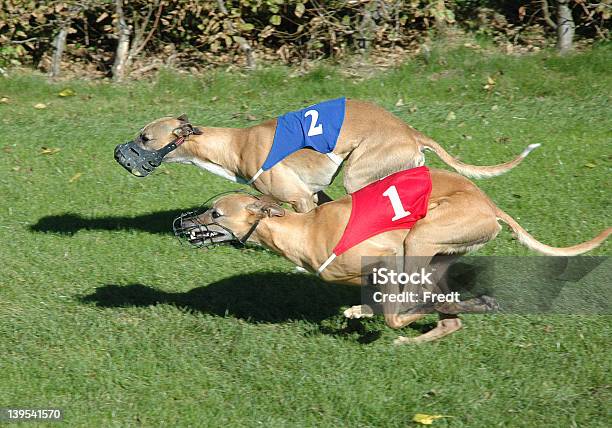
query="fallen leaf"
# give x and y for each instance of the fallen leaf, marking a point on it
(490, 84)
(430, 393)
(75, 177)
(502, 139)
(495, 107)
(251, 117)
(4, 100)
(49, 151)
(467, 137)
(590, 165)
(67, 93)
(412, 109)
(451, 115)
(40, 106)
(16, 168)
(424, 419)
(399, 103)
(215, 98)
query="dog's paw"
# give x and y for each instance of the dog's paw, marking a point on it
(359, 311)
(490, 304)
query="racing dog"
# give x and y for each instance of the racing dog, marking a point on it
(369, 141)
(459, 218)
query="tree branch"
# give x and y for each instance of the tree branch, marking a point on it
(59, 44)
(565, 27)
(123, 45)
(242, 42)
(546, 13)
(151, 31)
(20, 42)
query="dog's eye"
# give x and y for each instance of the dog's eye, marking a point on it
(144, 138)
(215, 214)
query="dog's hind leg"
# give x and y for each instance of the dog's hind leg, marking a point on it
(477, 305)
(442, 231)
(403, 309)
(446, 326)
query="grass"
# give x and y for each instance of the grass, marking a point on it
(103, 314)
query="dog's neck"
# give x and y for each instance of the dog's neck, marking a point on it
(291, 237)
(217, 150)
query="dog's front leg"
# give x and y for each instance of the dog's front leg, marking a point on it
(359, 311)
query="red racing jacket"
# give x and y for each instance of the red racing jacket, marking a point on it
(397, 201)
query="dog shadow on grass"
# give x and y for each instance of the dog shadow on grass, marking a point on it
(68, 224)
(264, 297)
(159, 222)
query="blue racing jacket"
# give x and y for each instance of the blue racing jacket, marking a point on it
(316, 127)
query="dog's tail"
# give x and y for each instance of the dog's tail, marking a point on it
(533, 244)
(474, 171)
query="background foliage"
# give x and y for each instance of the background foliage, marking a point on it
(192, 33)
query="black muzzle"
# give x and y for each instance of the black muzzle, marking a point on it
(187, 227)
(141, 162)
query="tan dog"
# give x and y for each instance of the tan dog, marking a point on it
(461, 218)
(372, 144)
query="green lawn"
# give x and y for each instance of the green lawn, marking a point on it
(104, 314)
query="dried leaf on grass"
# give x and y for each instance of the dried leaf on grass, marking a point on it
(425, 419)
(67, 92)
(49, 150)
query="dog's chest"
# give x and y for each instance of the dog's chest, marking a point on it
(213, 168)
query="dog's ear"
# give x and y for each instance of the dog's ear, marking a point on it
(186, 130)
(265, 208)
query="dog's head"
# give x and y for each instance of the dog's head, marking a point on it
(154, 142)
(231, 218)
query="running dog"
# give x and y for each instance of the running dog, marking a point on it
(369, 141)
(459, 218)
